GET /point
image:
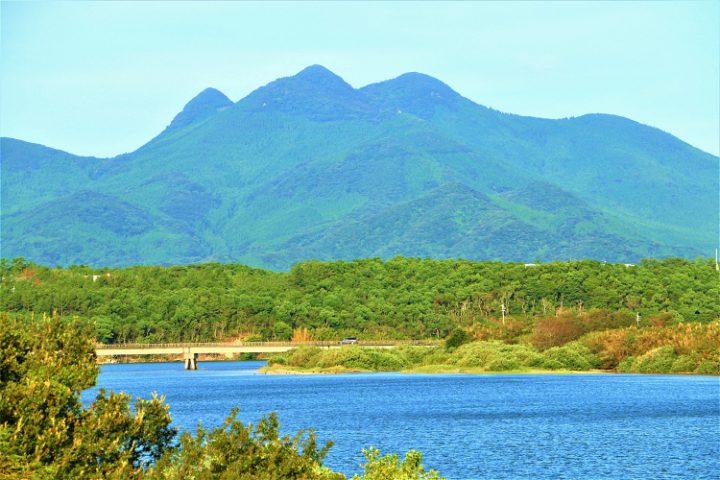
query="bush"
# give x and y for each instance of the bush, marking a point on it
(658, 360)
(282, 331)
(387, 360)
(415, 355)
(489, 355)
(710, 366)
(684, 364)
(503, 364)
(304, 357)
(696, 340)
(553, 365)
(458, 337)
(278, 360)
(235, 450)
(573, 356)
(626, 365)
(389, 467)
(556, 331)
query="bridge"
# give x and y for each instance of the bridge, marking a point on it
(190, 351)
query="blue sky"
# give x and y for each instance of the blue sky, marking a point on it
(103, 78)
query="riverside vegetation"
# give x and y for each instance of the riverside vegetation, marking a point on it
(46, 432)
(687, 348)
(659, 316)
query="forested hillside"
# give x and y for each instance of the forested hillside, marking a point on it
(308, 167)
(403, 298)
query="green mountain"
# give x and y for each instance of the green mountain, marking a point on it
(310, 167)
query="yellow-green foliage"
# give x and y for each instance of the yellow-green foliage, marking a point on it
(246, 452)
(490, 356)
(352, 357)
(682, 348)
(45, 432)
(571, 356)
(496, 356)
(390, 467)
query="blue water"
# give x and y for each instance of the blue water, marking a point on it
(466, 426)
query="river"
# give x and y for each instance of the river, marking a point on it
(466, 426)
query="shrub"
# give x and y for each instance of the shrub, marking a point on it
(658, 360)
(278, 360)
(502, 364)
(282, 331)
(555, 331)
(387, 360)
(235, 450)
(415, 355)
(553, 365)
(458, 337)
(708, 367)
(304, 357)
(696, 340)
(389, 467)
(626, 365)
(573, 356)
(684, 364)
(485, 354)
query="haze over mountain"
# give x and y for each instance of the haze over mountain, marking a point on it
(310, 167)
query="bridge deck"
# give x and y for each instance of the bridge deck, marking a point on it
(221, 348)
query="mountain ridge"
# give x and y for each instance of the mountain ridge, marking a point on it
(307, 163)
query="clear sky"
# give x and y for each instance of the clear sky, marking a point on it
(103, 78)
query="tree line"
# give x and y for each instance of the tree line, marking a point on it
(401, 298)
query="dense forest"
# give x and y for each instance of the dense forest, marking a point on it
(402, 298)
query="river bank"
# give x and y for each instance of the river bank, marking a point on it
(481, 357)
(426, 369)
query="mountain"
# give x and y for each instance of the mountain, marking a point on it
(310, 167)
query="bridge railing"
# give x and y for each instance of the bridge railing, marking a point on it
(374, 343)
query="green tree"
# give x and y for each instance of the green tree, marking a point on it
(457, 338)
(45, 431)
(390, 467)
(282, 331)
(237, 451)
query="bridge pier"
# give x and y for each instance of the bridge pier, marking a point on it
(190, 360)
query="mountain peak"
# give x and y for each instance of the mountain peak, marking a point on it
(317, 76)
(316, 72)
(204, 103)
(413, 83)
(314, 92)
(413, 92)
(423, 81)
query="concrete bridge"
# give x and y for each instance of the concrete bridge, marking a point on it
(190, 351)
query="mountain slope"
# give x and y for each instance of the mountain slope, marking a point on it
(310, 167)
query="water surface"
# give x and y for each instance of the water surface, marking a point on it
(466, 426)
